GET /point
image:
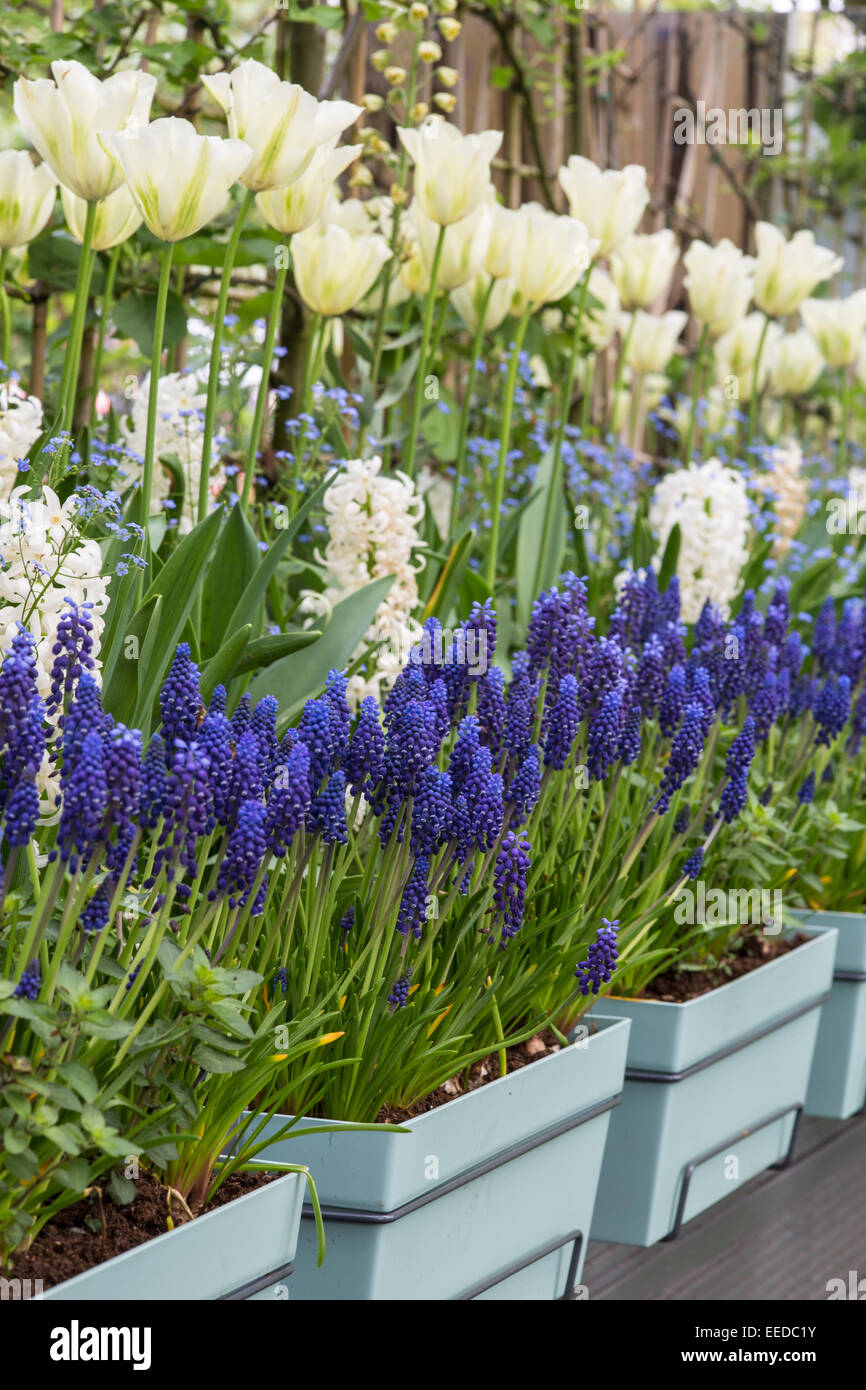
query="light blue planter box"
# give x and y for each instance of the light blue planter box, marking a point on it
(232, 1252)
(489, 1196)
(837, 1085)
(713, 1093)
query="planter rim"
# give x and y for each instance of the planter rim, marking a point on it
(371, 1217)
(816, 932)
(608, 1024)
(241, 1291)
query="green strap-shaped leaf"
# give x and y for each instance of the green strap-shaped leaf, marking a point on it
(176, 584)
(219, 669)
(301, 676)
(247, 605)
(236, 559)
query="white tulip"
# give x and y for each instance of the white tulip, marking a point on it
(642, 268)
(117, 217)
(556, 253)
(837, 325)
(283, 123)
(297, 207)
(787, 271)
(507, 239)
(860, 363)
(27, 192)
(601, 321)
(464, 247)
(63, 118)
(720, 284)
(797, 364)
(609, 203)
(334, 270)
(468, 300)
(736, 353)
(180, 180)
(452, 171)
(653, 339)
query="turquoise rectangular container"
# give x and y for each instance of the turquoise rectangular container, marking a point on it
(713, 1093)
(487, 1197)
(231, 1253)
(837, 1085)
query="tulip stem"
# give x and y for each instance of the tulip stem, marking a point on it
(504, 442)
(753, 405)
(477, 340)
(107, 299)
(696, 392)
(586, 402)
(264, 384)
(153, 395)
(411, 444)
(6, 346)
(620, 368)
(213, 378)
(554, 491)
(69, 377)
(843, 427)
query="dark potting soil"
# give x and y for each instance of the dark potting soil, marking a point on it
(90, 1232)
(751, 952)
(478, 1075)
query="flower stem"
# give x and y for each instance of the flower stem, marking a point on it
(753, 406)
(69, 378)
(844, 423)
(6, 341)
(620, 368)
(216, 351)
(107, 300)
(467, 406)
(696, 392)
(409, 461)
(505, 440)
(153, 396)
(261, 398)
(554, 491)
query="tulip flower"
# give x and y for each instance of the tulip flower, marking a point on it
(452, 171)
(653, 339)
(463, 248)
(62, 119)
(860, 364)
(797, 364)
(556, 252)
(335, 270)
(179, 180)
(642, 268)
(837, 325)
(610, 204)
(483, 302)
(117, 217)
(293, 209)
(283, 124)
(745, 355)
(27, 193)
(602, 319)
(720, 283)
(786, 272)
(507, 239)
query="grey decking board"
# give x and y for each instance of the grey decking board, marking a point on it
(782, 1236)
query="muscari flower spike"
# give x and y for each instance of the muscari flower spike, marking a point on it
(601, 959)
